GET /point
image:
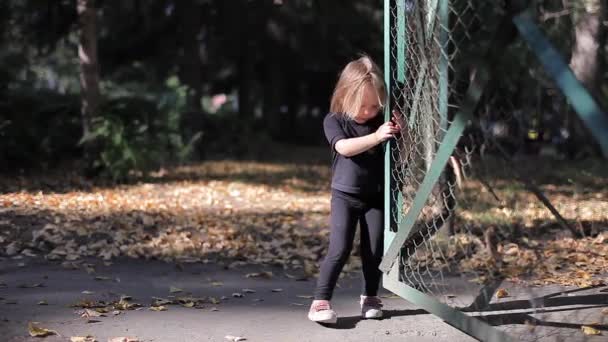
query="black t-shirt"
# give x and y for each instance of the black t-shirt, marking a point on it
(360, 174)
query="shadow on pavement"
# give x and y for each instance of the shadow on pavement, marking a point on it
(350, 322)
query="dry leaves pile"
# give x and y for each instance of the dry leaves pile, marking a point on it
(252, 212)
(277, 214)
(566, 261)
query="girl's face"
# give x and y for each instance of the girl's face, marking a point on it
(369, 105)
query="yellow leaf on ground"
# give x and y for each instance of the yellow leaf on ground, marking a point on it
(158, 308)
(124, 339)
(161, 301)
(87, 338)
(587, 330)
(91, 313)
(36, 331)
(502, 293)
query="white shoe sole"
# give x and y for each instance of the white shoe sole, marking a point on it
(329, 319)
(372, 315)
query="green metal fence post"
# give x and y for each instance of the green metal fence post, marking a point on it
(389, 183)
(444, 25)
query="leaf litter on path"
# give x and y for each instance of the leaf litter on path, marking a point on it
(270, 214)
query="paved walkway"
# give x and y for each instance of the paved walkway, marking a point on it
(276, 311)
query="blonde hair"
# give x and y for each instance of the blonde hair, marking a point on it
(348, 94)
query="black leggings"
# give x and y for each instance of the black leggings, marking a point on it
(346, 210)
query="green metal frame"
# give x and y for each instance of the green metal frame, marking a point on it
(393, 240)
(398, 227)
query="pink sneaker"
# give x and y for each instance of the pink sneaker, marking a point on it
(371, 307)
(321, 312)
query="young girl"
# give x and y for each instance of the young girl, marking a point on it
(355, 131)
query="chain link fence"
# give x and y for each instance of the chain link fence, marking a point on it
(488, 239)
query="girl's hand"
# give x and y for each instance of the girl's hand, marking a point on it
(399, 119)
(386, 131)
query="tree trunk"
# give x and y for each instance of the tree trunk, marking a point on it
(585, 60)
(245, 60)
(274, 85)
(191, 66)
(89, 68)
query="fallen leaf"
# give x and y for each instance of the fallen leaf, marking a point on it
(36, 331)
(266, 274)
(87, 303)
(125, 305)
(123, 339)
(91, 313)
(296, 304)
(102, 278)
(277, 290)
(158, 308)
(174, 289)
(502, 293)
(248, 291)
(217, 283)
(87, 292)
(588, 330)
(214, 309)
(43, 302)
(234, 338)
(305, 296)
(28, 252)
(87, 338)
(161, 301)
(237, 295)
(30, 286)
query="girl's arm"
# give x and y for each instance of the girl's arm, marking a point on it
(353, 146)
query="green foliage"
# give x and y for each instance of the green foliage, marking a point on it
(135, 135)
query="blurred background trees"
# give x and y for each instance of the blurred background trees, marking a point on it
(138, 84)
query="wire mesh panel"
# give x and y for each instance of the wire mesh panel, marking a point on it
(472, 246)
